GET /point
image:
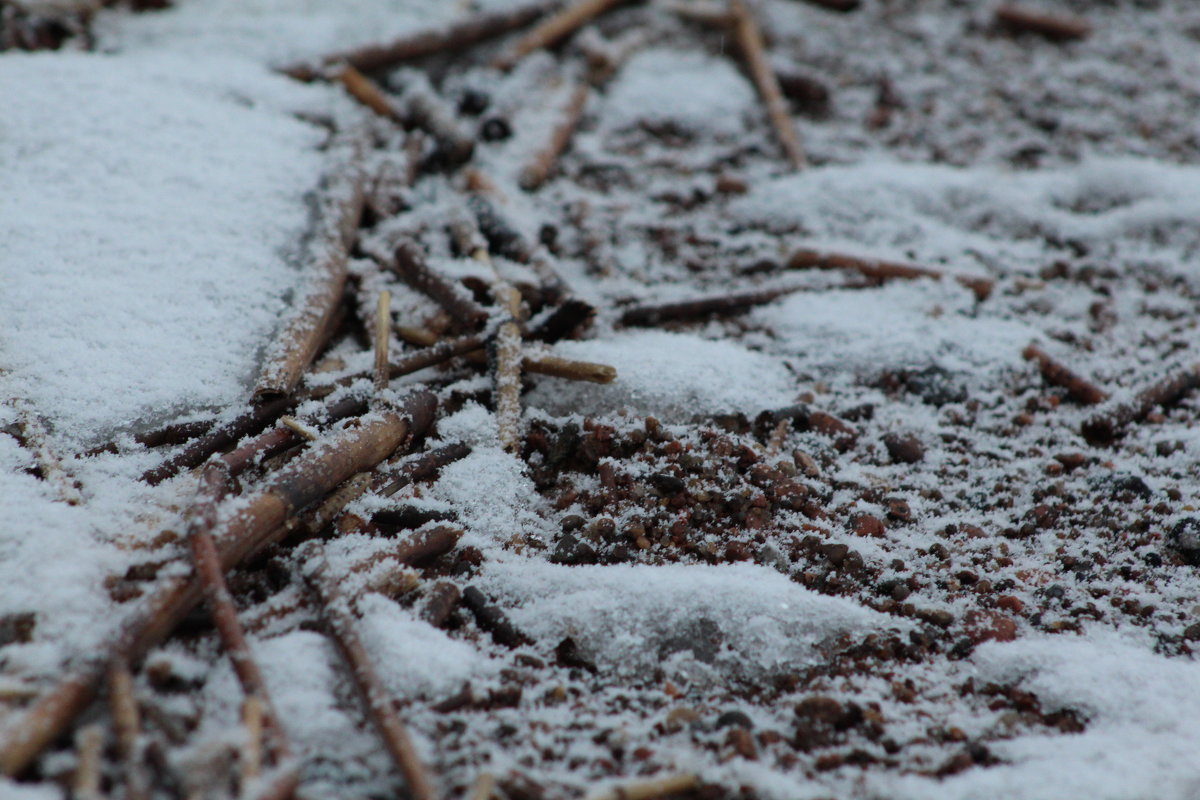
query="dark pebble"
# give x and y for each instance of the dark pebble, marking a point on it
(495, 129)
(904, 449)
(473, 102)
(572, 522)
(736, 719)
(1184, 539)
(571, 551)
(667, 484)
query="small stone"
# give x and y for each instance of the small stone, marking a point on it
(1192, 632)
(742, 743)
(935, 616)
(572, 551)
(1184, 539)
(495, 129)
(735, 718)
(667, 484)
(1009, 603)
(904, 449)
(898, 510)
(680, 718)
(867, 525)
(572, 522)
(989, 626)
(836, 553)
(1071, 461)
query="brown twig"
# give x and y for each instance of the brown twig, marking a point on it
(383, 337)
(837, 5)
(1078, 387)
(649, 789)
(127, 729)
(440, 600)
(534, 173)
(455, 37)
(554, 28)
(367, 92)
(483, 787)
(507, 357)
(341, 209)
(1108, 423)
(427, 111)
(546, 364)
(505, 240)
(262, 520)
(750, 40)
(657, 313)
(1056, 27)
(89, 747)
(419, 468)
(342, 628)
(251, 755)
(881, 271)
(409, 263)
(492, 619)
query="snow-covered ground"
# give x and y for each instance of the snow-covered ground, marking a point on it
(1017, 619)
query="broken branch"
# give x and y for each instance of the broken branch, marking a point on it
(1057, 374)
(409, 263)
(367, 92)
(750, 40)
(1106, 425)
(657, 313)
(881, 271)
(1056, 27)
(553, 29)
(536, 171)
(545, 364)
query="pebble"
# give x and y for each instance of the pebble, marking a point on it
(1185, 540)
(735, 718)
(904, 449)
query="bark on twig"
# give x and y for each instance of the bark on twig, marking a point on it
(1078, 387)
(492, 619)
(649, 789)
(409, 263)
(263, 519)
(750, 40)
(89, 748)
(553, 29)
(657, 313)
(506, 355)
(419, 468)
(127, 729)
(1056, 27)
(427, 111)
(881, 271)
(1108, 423)
(454, 37)
(423, 545)
(440, 600)
(536, 171)
(367, 92)
(37, 441)
(342, 626)
(383, 337)
(505, 240)
(337, 224)
(251, 755)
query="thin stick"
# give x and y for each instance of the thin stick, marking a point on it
(127, 728)
(554, 28)
(440, 600)
(367, 92)
(483, 787)
(1107, 424)
(423, 545)
(750, 40)
(492, 619)
(649, 789)
(262, 520)
(291, 423)
(383, 330)
(455, 37)
(545, 364)
(89, 744)
(506, 352)
(409, 263)
(337, 226)
(657, 313)
(427, 111)
(342, 628)
(1054, 372)
(536, 171)
(1056, 27)
(419, 468)
(251, 756)
(881, 271)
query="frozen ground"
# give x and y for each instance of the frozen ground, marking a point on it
(946, 592)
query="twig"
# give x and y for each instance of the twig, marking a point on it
(1107, 424)
(367, 92)
(881, 271)
(709, 14)
(507, 357)
(649, 789)
(492, 619)
(409, 263)
(440, 600)
(427, 111)
(1056, 27)
(89, 745)
(563, 322)
(338, 219)
(261, 521)
(657, 313)
(554, 28)
(175, 433)
(341, 625)
(299, 427)
(750, 40)
(423, 545)
(383, 337)
(837, 5)
(483, 787)
(251, 756)
(1056, 373)
(546, 364)
(455, 37)
(504, 239)
(419, 468)
(127, 728)
(536, 171)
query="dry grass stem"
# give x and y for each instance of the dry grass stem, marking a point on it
(657, 313)
(1057, 27)
(250, 758)
(383, 337)
(569, 369)
(1108, 423)
(749, 39)
(554, 28)
(878, 270)
(483, 787)
(367, 92)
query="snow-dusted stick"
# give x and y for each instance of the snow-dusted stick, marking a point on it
(298, 427)
(422, 545)
(649, 789)
(418, 468)
(341, 207)
(1107, 423)
(342, 627)
(408, 262)
(37, 441)
(250, 757)
(367, 92)
(453, 37)
(1057, 27)
(506, 356)
(440, 600)
(554, 28)
(749, 39)
(534, 173)
(383, 337)
(483, 787)
(878, 270)
(657, 313)
(492, 619)
(262, 520)
(127, 728)
(214, 483)
(709, 14)
(89, 747)
(280, 784)
(428, 112)
(563, 322)
(837, 5)
(1078, 387)
(778, 437)
(546, 364)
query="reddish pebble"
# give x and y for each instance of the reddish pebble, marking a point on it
(867, 525)
(1010, 603)
(983, 626)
